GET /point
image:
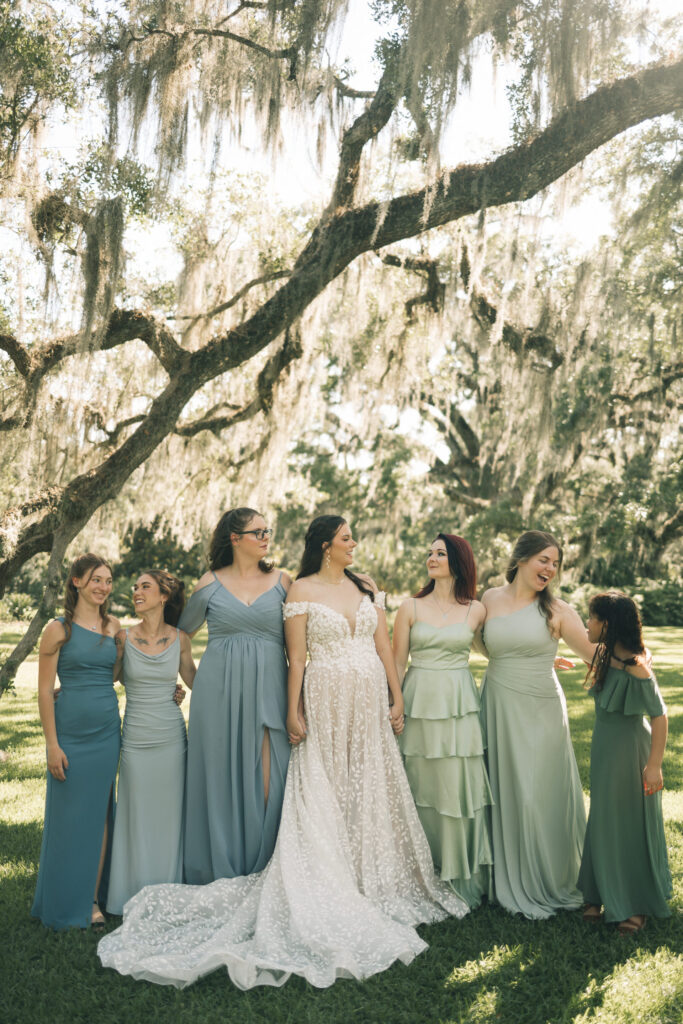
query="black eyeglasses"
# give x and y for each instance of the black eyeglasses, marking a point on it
(259, 534)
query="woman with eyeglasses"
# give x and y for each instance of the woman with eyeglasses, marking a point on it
(238, 750)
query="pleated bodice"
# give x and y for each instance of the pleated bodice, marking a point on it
(521, 652)
(228, 618)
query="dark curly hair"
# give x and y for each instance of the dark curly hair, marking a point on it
(620, 625)
(174, 591)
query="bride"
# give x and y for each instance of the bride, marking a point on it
(351, 874)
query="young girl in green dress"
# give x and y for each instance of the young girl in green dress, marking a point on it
(624, 867)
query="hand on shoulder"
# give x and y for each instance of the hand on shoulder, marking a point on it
(641, 669)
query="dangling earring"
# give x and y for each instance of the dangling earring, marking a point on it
(328, 559)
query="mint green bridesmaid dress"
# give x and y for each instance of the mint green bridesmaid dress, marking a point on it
(538, 817)
(444, 757)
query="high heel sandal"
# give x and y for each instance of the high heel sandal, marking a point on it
(97, 923)
(592, 914)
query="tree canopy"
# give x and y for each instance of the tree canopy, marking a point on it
(176, 334)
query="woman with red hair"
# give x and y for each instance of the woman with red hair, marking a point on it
(442, 740)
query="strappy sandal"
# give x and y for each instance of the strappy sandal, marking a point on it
(592, 914)
(97, 923)
(632, 924)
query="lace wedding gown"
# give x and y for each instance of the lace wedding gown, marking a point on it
(351, 874)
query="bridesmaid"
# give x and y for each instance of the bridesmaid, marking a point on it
(148, 835)
(238, 749)
(82, 734)
(442, 741)
(624, 865)
(538, 817)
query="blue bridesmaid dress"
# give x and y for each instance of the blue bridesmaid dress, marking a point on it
(148, 836)
(240, 690)
(89, 733)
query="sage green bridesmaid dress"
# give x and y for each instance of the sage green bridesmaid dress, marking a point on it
(443, 750)
(624, 866)
(148, 833)
(538, 817)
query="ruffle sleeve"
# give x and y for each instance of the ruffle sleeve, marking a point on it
(289, 610)
(629, 695)
(194, 611)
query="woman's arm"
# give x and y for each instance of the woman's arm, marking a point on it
(401, 641)
(652, 772)
(573, 632)
(48, 654)
(187, 667)
(383, 648)
(295, 641)
(120, 640)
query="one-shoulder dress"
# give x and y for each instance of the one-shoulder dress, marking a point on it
(538, 817)
(351, 874)
(240, 690)
(89, 733)
(444, 756)
(624, 865)
(148, 833)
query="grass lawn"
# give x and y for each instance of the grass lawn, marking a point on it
(490, 967)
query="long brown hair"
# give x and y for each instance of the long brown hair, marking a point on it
(174, 591)
(235, 520)
(462, 566)
(321, 531)
(621, 625)
(84, 565)
(526, 546)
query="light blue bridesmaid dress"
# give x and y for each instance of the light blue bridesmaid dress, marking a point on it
(89, 733)
(240, 690)
(148, 835)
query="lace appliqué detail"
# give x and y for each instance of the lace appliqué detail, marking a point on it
(294, 608)
(351, 874)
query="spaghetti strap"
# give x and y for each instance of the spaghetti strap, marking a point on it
(214, 576)
(415, 609)
(279, 579)
(468, 612)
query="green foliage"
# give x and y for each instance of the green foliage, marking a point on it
(35, 71)
(661, 604)
(154, 546)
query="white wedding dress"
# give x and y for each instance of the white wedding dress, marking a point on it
(351, 874)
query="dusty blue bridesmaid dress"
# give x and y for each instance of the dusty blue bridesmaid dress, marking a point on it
(239, 691)
(148, 835)
(89, 733)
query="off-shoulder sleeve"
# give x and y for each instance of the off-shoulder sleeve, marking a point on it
(194, 611)
(289, 610)
(381, 599)
(629, 695)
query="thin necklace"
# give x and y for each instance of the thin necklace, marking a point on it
(332, 583)
(95, 629)
(443, 614)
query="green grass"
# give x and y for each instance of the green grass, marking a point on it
(490, 968)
